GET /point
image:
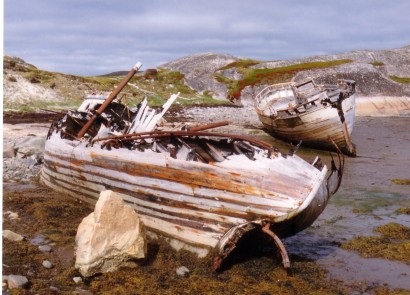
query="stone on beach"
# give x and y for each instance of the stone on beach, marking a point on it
(12, 236)
(44, 248)
(30, 146)
(109, 237)
(8, 150)
(182, 271)
(12, 215)
(47, 264)
(15, 281)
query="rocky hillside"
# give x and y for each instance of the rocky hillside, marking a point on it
(377, 73)
(199, 71)
(202, 78)
(27, 88)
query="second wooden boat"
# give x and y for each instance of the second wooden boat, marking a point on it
(320, 116)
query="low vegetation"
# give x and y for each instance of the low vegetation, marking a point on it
(252, 76)
(376, 63)
(403, 210)
(159, 85)
(242, 63)
(403, 80)
(68, 91)
(392, 243)
(401, 181)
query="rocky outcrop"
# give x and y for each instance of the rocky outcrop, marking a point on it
(22, 159)
(109, 237)
(199, 69)
(30, 146)
(372, 70)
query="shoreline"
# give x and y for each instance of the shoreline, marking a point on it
(382, 106)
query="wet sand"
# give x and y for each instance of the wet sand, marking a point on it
(367, 198)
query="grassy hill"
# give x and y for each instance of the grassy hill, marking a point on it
(27, 88)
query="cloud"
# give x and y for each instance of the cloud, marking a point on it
(89, 37)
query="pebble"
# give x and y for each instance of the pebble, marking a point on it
(182, 271)
(12, 236)
(47, 264)
(44, 248)
(79, 291)
(54, 289)
(77, 280)
(12, 215)
(19, 169)
(38, 240)
(15, 281)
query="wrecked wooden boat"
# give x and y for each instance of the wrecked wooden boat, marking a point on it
(200, 190)
(318, 115)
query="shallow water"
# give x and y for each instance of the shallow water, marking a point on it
(383, 148)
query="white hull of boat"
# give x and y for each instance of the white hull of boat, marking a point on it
(192, 202)
(316, 126)
(320, 116)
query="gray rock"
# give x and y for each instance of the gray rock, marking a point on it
(20, 169)
(182, 271)
(77, 280)
(15, 281)
(12, 215)
(44, 248)
(54, 289)
(47, 264)
(104, 241)
(199, 69)
(30, 146)
(38, 240)
(8, 150)
(371, 69)
(12, 236)
(80, 291)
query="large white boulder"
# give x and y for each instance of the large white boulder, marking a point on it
(110, 236)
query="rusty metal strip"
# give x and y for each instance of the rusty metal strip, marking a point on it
(208, 126)
(279, 244)
(112, 96)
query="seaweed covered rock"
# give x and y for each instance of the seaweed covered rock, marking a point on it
(109, 237)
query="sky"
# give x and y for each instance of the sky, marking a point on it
(92, 37)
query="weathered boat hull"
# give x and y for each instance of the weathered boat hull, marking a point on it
(193, 204)
(323, 119)
(316, 126)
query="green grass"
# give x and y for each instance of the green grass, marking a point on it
(403, 80)
(242, 63)
(252, 77)
(376, 63)
(38, 104)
